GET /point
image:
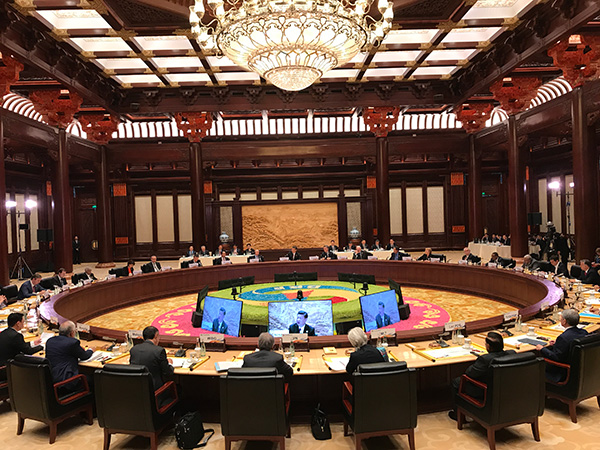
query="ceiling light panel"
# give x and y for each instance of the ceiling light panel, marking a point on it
(498, 9)
(73, 19)
(385, 72)
(410, 36)
(451, 55)
(182, 78)
(138, 79)
(121, 63)
(180, 62)
(433, 71)
(156, 43)
(480, 34)
(100, 44)
(393, 56)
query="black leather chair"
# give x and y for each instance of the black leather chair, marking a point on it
(575, 271)
(381, 400)
(119, 272)
(581, 376)
(514, 394)
(3, 384)
(254, 406)
(48, 283)
(11, 292)
(147, 268)
(77, 276)
(34, 395)
(440, 256)
(127, 403)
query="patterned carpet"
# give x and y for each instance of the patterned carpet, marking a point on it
(457, 306)
(434, 432)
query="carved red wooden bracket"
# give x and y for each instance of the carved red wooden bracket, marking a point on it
(195, 125)
(381, 120)
(515, 94)
(578, 58)
(9, 74)
(98, 127)
(473, 115)
(56, 109)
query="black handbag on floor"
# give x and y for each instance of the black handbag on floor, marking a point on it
(189, 431)
(319, 425)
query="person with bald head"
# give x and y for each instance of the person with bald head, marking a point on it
(64, 353)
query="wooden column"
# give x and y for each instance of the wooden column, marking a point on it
(4, 269)
(517, 209)
(197, 178)
(383, 190)
(103, 211)
(475, 222)
(62, 195)
(585, 178)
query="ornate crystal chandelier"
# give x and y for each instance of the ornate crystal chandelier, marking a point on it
(290, 43)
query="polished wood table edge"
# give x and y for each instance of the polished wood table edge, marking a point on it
(552, 293)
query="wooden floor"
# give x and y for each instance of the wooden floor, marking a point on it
(434, 432)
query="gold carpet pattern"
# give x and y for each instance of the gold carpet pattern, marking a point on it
(459, 306)
(434, 432)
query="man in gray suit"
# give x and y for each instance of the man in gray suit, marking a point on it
(149, 354)
(264, 357)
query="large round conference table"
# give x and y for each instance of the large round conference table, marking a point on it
(315, 382)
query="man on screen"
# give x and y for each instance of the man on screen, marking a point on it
(219, 325)
(382, 318)
(301, 326)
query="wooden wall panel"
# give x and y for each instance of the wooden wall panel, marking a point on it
(143, 219)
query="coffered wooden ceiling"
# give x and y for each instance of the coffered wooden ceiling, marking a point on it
(139, 56)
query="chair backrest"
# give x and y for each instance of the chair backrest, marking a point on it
(385, 397)
(11, 293)
(147, 268)
(584, 381)
(575, 271)
(517, 388)
(125, 397)
(48, 283)
(76, 277)
(30, 387)
(253, 403)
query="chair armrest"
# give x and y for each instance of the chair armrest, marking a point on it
(286, 397)
(347, 396)
(465, 379)
(567, 367)
(74, 396)
(4, 383)
(168, 385)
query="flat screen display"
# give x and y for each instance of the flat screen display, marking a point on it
(201, 294)
(222, 315)
(379, 310)
(314, 317)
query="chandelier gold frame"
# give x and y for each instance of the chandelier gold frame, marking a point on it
(290, 43)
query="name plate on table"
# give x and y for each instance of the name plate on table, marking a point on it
(253, 260)
(86, 282)
(166, 268)
(342, 257)
(54, 320)
(435, 260)
(215, 337)
(135, 334)
(463, 262)
(313, 258)
(512, 315)
(383, 332)
(492, 265)
(544, 305)
(111, 277)
(294, 337)
(83, 328)
(284, 258)
(137, 272)
(192, 265)
(223, 263)
(406, 258)
(451, 326)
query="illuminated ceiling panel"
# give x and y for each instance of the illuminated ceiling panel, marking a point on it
(154, 43)
(498, 9)
(236, 76)
(138, 79)
(220, 61)
(73, 19)
(187, 78)
(183, 62)
(471, 34)
(433, 71)
(396, 56)
(451, 55)
(121, 63)
(410, 36)
(341, 73)
(100, 44)
(385, 72)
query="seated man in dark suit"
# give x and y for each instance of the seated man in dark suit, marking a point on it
(149, 354)
(559, 268)
(31, 287)
(470, 257)
(153, 265)
(257, 256)
(528, 262)
(359, 253)
(190, 251)
(480, 369)
(60, 278)
(264, 357)
(235, 250)
(249, 250)
(363, 352)
(293, 254)
(219, 325)
(589, 274)
(219, 250)
(88, 275)
(391, 245)
(396, 255)
(425, 256)
(12, 341)
(221, 259)
(382, 319)
(300, 326)
(203, 251)
(377, 245)
(64, 353)
(560, 350)
(327, 254)
(485, 239)
(195, 260)
(333, 247)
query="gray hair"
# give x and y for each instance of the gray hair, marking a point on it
(571, 317)
(357, 337)
(265, 341)
(66, 328)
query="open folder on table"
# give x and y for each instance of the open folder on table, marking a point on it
(224, 366)
(336, 363)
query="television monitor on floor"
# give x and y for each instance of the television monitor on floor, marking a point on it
(201, 295)
(222, 315)
(396, 287)
(379, 310)
(289, 317)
